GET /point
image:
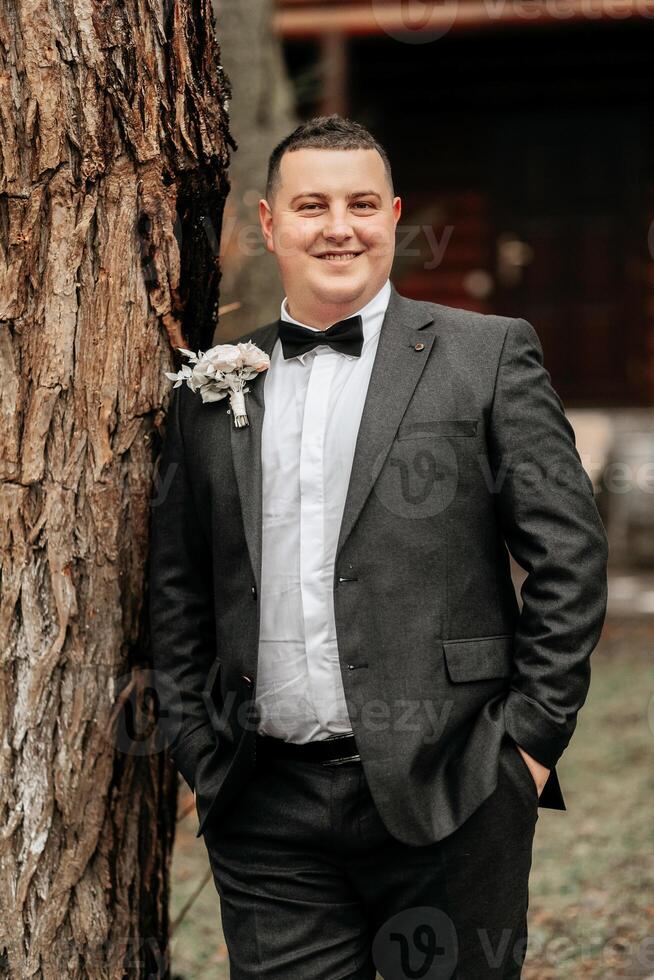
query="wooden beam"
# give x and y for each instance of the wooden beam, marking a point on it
(334, 73)
(307, 19)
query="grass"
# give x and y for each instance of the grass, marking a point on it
(591, 910)
(592, 884)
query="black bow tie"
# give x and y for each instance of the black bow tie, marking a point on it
(345, 336)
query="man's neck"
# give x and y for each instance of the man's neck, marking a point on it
(324, 319)
(326, 316)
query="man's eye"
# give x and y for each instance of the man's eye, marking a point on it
(357, 204)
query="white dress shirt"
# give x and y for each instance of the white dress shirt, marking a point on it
(313, 407)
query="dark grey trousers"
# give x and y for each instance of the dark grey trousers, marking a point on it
(313, 887)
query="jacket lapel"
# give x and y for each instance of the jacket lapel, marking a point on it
(246, 455)
(395, 373)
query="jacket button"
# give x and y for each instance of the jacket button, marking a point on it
(254, 591)
(248, 680)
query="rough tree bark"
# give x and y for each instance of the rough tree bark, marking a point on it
(113, 161)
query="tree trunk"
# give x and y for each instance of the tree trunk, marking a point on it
(262, 112)
(113, 161)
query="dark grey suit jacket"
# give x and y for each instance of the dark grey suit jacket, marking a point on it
(463, 451)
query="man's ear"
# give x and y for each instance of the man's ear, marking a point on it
(265, 219)
(397, 208)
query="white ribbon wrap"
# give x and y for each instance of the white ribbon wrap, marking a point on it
(237, 401)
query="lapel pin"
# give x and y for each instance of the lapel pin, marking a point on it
(419, 347)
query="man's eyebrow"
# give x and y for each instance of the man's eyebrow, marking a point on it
(325, 197)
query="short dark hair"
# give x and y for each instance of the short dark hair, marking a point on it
(324, 133)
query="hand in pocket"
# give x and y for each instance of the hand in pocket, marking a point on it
(539, 772)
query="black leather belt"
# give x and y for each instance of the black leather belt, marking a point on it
(331, 751)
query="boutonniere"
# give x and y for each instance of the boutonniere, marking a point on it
(222, 371)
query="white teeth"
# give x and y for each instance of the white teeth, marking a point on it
(339, 257)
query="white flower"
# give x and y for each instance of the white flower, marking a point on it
(221, 371)
(224, 357)
(209, 394)
(252, 356)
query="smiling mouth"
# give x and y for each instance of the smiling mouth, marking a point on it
(339, 256)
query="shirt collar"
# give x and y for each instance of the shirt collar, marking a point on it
(372, 316)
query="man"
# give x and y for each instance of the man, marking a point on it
(368, 719)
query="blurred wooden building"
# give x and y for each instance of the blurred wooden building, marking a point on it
(522, 143)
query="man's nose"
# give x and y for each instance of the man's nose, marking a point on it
(337, 227)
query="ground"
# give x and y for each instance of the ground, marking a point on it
(591, 909)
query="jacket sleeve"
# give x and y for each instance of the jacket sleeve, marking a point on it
(552, 528)
(182, 622)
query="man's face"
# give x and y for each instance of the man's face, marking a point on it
(331, 226)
